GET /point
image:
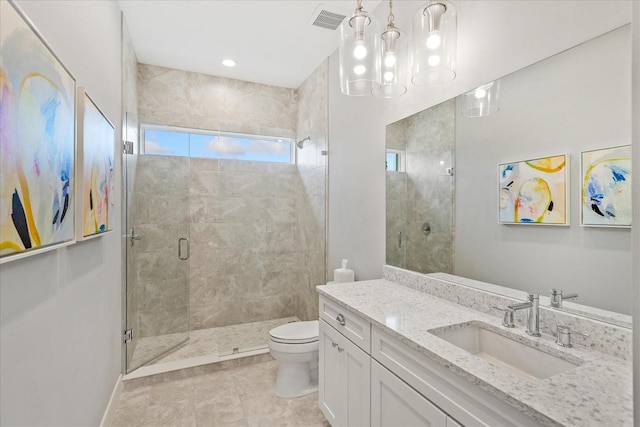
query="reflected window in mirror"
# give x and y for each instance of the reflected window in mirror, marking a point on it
(395, 161)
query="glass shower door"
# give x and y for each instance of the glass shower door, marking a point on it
(157, 221)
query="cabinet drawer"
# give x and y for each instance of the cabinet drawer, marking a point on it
(347, 323)
(464, 401)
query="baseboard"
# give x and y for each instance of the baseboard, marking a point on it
(110, 412)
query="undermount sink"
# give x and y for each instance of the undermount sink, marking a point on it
(484, 341)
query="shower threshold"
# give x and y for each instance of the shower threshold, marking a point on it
(206, 346)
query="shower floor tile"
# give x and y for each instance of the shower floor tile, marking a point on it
(223, 341)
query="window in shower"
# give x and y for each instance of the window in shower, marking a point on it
(173, 141)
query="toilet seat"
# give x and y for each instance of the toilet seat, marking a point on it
(296, 332)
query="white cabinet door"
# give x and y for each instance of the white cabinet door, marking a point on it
(395, 404)
(357, 376)
(331, 393)
(344, 380)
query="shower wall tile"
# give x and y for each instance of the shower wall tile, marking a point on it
(241, 209)
(203, 209)
(428, 194)
(164, 294)
(203, 182)
(239, 260)
(200, 292)
(182, 98)
(239, 235)
(310, 192)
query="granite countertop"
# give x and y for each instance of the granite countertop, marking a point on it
(598, 392)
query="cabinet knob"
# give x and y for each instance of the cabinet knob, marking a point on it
(334, 344)
(340, 319)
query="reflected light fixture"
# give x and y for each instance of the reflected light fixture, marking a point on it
(228, 62)
(482, 101)
(393, 75)
(433, 55)
(359, 57)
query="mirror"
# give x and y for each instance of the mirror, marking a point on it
(443, 190)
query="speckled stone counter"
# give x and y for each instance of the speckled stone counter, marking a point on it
(596, 393)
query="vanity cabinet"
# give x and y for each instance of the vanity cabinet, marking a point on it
(394, 403)
(344, 379)
(455, 396)
(368, 377)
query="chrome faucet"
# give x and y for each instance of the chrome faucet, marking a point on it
(532, 304)
(557, 297)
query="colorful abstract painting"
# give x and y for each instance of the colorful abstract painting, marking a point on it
(534, 191)
(606, 187)
(37, 141)
(95, 156)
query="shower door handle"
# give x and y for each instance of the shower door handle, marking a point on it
(180, 241)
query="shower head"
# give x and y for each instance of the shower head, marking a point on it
(300, 144)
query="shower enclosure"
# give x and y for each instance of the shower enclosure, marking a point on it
(157, 251)
(219, 251)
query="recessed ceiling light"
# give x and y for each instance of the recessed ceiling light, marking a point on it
(229, 63)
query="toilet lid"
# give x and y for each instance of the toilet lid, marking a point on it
(296, 332)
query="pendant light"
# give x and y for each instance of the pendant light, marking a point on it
(393, 75)
(359, 55)
(434, 43)
(482, 101)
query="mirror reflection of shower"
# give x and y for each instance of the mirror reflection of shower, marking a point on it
(301, 144)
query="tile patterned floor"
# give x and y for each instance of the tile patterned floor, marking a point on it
(221, 341)
(241, 396)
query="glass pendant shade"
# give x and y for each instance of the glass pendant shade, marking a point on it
(393, 63)
(482, 101)
(359, 54)
(433, 53)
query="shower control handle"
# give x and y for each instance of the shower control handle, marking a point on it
(340, 319)
(180, 256)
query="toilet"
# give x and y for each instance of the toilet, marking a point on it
(295, 347)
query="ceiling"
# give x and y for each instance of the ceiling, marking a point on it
(273, 42)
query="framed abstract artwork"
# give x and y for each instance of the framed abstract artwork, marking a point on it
(605, 178)
(534, 191)
(95, 159)
(37, 141)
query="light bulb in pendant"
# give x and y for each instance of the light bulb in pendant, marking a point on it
(480, 93)
(434, 40)
(434, 60)
(389, 59)
(388, 76)
(360, 51)
(359, 69)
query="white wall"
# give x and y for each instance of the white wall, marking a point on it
(495, 38)
(564, 105)
(60, 311)
(635, 236)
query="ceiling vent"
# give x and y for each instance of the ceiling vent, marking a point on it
(325, 19)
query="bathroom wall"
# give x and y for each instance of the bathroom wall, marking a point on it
(60, 319)
(248, 220)
(424, 193)
(311, 192)
(635, 232)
